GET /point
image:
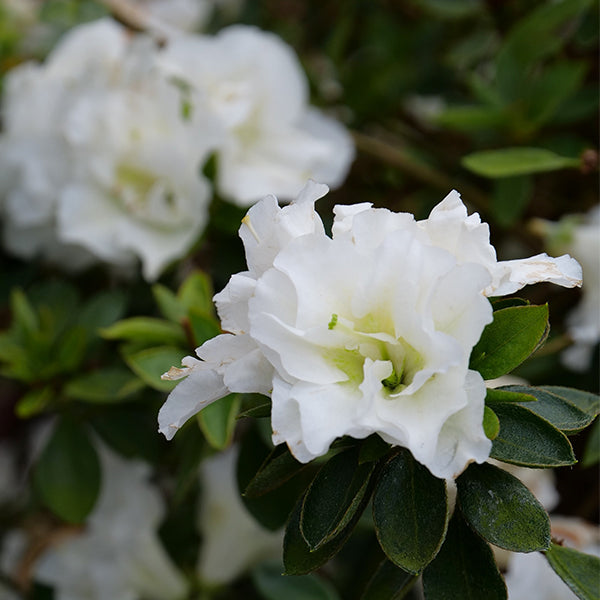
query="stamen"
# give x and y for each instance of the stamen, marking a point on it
(333, 322)
(248, 224)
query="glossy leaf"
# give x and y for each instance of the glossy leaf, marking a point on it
(509, 339)
(104, 386)
(147, 330)
(409, 510)
(528, 440)
(272, 585)
(502, 510)
(151, 363)
(278, 467)
(578, 570)
(337, 492)
(556, 408)
(67, 474)
(389, 582)
(510, 162)
(463, 568)
(217, 420)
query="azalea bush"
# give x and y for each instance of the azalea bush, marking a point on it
(299, 300)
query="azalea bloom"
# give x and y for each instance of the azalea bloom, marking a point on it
(118, 554)
(98, 160)
(253, 85)
(232, 540)
(369, 331)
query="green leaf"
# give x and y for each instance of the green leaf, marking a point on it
(101, 311)
(554, 406)
(151, 363)
(336, 494)
(528, 440)
(591, 454)
(509, 393)
(410, 512)
(463, 568)
(71, 349)
(146, 330)
(298, 557)
(578, 570)
(168, 303)
(272, 585)
(501, 302)
(491, 424)
(196, 293)
(509, 339)
(217, 420)
(510, 199)
(25, 319)
(502, 510)
(34, 402)
(585, 401)
(67, 474)
(104, 386)
(259, 411)
(372, 449)
(389, 582)
(510, 162)
(278, 467)
(203, 327)
(471, 118)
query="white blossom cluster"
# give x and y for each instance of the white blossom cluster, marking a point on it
(103, 145)
(368, 331)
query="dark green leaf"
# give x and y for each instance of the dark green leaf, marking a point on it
(509, 339)
(500, 303)
(491, 424)
(556, 408)
(410, 512)
(147, 330)
(101, 311)
(578, 570)
(297, 555)
(24, 317)
(591, 455)
(71, 349)
(278, 467)
(509, 393)
(464, 567)
(272, 585)
(502, 510)
(510, 162)
(168, 303)
(585, 401)
(67, 474)
(336, 494)
(389, 583)
(528, 440)
(151, 363)
(472, 118)
(510, 199)
(104, 386)
(257, 412)
(372, 449)
(217, 420)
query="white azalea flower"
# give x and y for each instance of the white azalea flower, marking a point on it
(167, 16)
(98, 156)
(232, 540)
(254, 85)
(366, 332)
(530, 576)
(118, 554)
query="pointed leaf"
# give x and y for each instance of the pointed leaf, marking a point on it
(491, 424)
(277, 468)
(168, 303)
(410, 512)
(509, 339)
(578, 570)
(104, 386)
(557, 409)
(101, 311)
(334, 496)
(203, 327)
(528, 440)
(260, 411)
(67, 474)
(502, 510)
(389, 583)
(151, 363)
(196, 293)
(509, 393)
(147, 330)
(463, 568)
(34, 402)
(217, 421)
(585, 401)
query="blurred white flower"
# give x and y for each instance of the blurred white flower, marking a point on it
(530, 576)
(361, 333)
(581, 238)
(232, 540)
(186, 15)
(255, 87)
(97, 155)
(118, 554)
